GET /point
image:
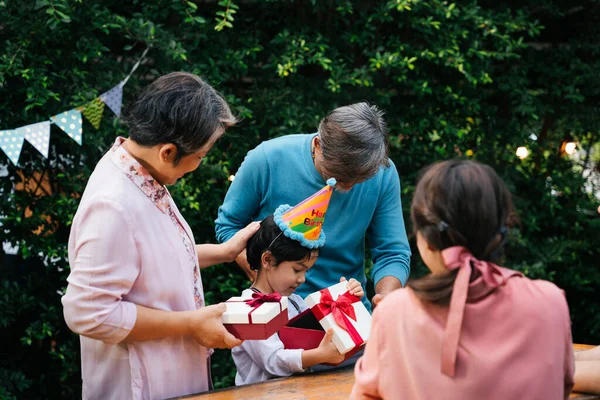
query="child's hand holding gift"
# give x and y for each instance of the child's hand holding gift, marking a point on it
(329, 353)
(326, 353)
(354, 287)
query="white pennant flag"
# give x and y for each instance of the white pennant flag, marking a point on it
(11, 143)
(113, 98)
(38, 135)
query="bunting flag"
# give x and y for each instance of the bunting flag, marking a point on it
(70, 123)
(93, 112)
(38, 135)
(11, 142)
(113, 98)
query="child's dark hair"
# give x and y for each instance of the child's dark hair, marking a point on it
(269, 237)
(459, 203)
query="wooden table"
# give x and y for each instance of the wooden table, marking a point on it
(322, 385)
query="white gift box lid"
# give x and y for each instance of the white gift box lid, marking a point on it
(237, 311)
(341, 339)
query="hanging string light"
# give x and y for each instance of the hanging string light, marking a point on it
(231, 178)
(570, 147)
(522, 152)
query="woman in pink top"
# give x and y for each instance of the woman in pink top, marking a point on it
(470, 329)
(135, 292)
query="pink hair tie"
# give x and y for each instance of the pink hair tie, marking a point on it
(460, 257)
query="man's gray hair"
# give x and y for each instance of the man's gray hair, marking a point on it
(354, 141)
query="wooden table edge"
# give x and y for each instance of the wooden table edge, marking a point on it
(576, 347)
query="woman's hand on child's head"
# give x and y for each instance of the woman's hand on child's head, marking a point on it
(329, 353)
(354, 287)
(237, 243)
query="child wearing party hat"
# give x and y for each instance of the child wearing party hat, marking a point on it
(285, 247)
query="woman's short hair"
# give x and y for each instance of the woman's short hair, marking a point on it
(178, 108)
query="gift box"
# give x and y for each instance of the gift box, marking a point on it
(335, 308)
(255, 318)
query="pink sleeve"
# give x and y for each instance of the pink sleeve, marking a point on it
(366, 371)
(104, 266)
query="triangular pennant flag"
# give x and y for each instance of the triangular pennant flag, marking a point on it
(11, 142)
(113, 98)
(70, 123)
(38, 135)
(93, 112)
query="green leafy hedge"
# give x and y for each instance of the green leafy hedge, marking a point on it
(466, 78)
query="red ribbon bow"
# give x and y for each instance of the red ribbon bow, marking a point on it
(259, 298)
(341, 309)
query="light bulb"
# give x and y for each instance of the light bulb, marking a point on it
(522, 152)
(570, 147)
(231, 178)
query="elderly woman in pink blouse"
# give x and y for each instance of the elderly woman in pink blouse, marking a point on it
(135, 291)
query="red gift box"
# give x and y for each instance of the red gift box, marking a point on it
(305, 332)
(257, 318)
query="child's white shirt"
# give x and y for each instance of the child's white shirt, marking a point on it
(259, 360)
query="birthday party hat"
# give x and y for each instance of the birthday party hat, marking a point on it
(304, 221)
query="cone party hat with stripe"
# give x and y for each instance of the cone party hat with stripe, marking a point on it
(304, 221)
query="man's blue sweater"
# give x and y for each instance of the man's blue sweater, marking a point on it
(281, 171)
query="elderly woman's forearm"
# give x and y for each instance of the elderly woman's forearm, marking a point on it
(156, 324)
(124, 322)
(212, 254)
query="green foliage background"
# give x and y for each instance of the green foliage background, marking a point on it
(464, 78)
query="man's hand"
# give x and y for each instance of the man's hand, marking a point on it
(206, 328)
(377, 298)
(385, 285)
(242, 261)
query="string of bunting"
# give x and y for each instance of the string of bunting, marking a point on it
(70, 122)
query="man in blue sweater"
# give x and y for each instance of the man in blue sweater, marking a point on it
(352, 147)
